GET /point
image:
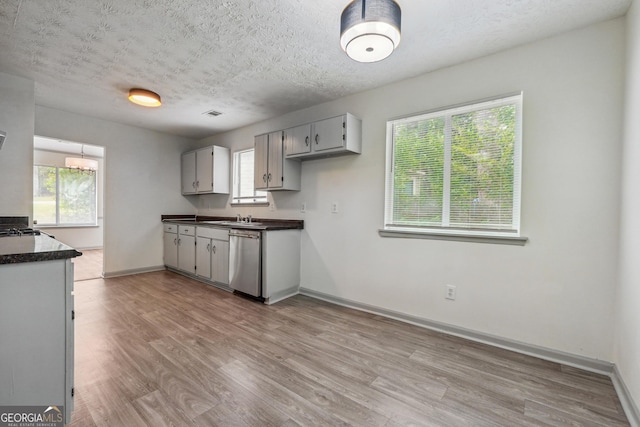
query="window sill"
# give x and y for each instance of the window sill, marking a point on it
(42, 227)
(250, 204)
(499, 240)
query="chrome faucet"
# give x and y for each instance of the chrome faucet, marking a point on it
(249, 219)
(238, 218)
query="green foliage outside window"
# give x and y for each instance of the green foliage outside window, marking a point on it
(474, 189)
(64, 196)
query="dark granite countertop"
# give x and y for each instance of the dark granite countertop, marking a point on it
(17, 249)
(261, 224)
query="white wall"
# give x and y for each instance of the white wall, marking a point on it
(627, 321)
(141, 182)
(90, 237)
(558, 290)
(16, 119)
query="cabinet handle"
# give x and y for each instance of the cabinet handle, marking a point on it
(317, 137)
(214, 249)
(208, 247)
(178, 242)
(197, 184)
(264, 178)
(269, 178)
(175, 241)
(306, 140)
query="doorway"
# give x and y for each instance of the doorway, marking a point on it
(68, 199)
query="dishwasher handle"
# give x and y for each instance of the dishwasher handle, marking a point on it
(234, 233)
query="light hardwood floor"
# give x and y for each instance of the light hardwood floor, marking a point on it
(88, 266)
(159, 349)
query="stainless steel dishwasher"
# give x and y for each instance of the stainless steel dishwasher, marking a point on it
(245, 272)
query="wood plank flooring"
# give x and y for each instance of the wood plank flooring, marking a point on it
(159, 349)
(88, 266)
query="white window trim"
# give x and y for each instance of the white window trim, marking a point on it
(57, 224)
(443, 233)
(248, 200)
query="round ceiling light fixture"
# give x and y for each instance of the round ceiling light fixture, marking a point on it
(370, 29)
(144, 97)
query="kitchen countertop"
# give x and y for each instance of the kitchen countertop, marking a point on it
(17, 249)
(261, 224)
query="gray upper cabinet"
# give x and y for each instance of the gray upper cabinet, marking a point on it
(297, 140)
(206, 170)
(271, 170)
(329, 137)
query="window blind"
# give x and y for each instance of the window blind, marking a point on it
(456, 169)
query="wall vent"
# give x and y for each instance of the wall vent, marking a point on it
(212, 113)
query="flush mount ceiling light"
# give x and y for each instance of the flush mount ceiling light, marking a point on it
(144, 97)
(81, 162)
(370, 29)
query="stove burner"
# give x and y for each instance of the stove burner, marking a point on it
(19, 232)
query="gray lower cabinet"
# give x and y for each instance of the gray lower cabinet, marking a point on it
(201, 252)
(212, 254)
(170, 241)
(280, 264)
(187, 248)
(36, 334)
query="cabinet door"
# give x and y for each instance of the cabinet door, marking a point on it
(187, 253)
(171, 250)
(220, 261)
(275, 175)
(204, 170)
(189, 173)
(328, 134)
(261, 157)
(297, 140)
(203, 257)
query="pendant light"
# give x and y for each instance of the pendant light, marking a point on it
(144, 97)
(81, 162)
(370, 29)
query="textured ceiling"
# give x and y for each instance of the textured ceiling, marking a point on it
(248, 59)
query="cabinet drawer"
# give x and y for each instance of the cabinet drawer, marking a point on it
(213, 233)
(186, 230)
(170, 228)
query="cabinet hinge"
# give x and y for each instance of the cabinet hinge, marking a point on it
(283, 137)
(73, 314)
(73, 391)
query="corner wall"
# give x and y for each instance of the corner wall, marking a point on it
(17, 120)
(627, 320)
(557, 291)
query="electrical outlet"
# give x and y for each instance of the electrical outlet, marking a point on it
(334, 207)
(451, 292)
(303, 207)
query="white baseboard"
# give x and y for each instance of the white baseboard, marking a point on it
(586, 363)
(120, 273)
(281, 295)
(627, 402)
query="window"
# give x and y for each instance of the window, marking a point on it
(243, 182)
(64, 196)
(456, 171)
